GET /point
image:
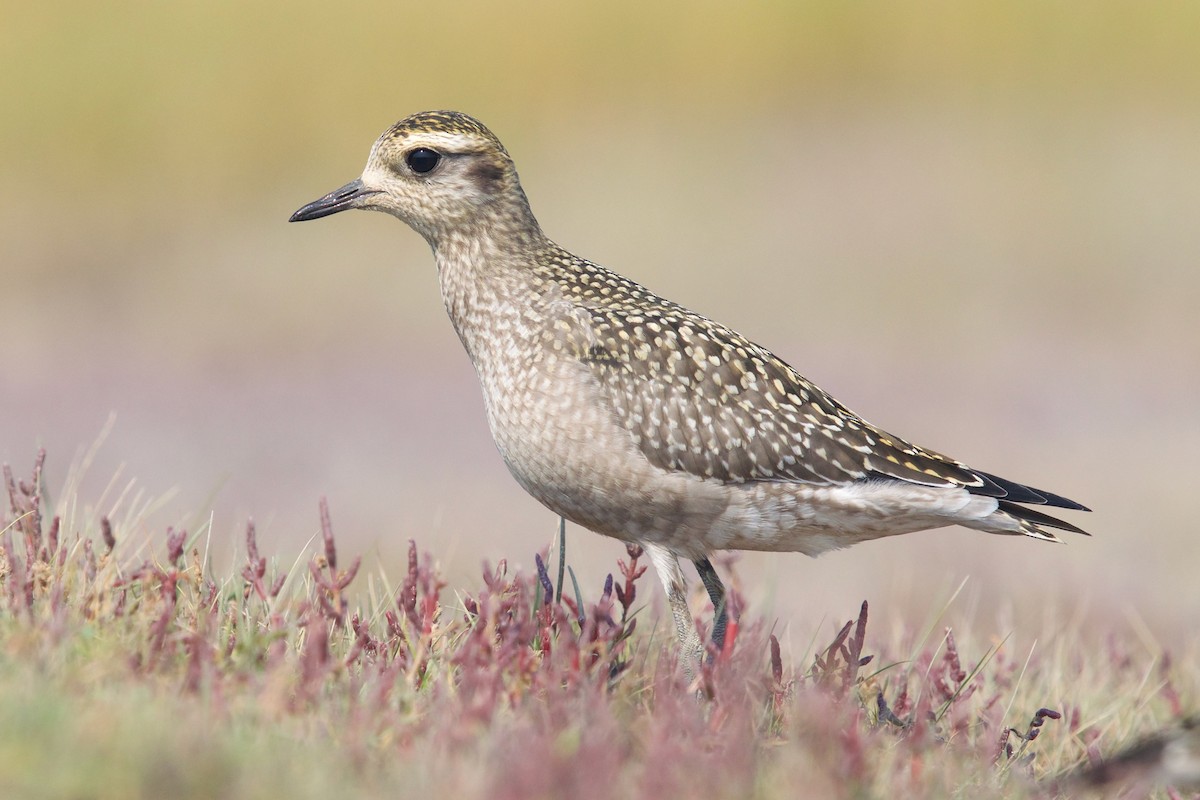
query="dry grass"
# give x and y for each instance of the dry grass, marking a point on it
(131, 669)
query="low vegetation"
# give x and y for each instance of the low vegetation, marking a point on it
(132, 670)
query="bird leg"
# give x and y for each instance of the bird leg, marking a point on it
(716, 593)
(666, 564)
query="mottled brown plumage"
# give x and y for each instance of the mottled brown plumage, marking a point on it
(637, 418)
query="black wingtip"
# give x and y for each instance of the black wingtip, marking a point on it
(1015, 492)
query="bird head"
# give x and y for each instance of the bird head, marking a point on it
(440, 172)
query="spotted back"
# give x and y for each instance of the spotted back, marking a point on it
(698, 397)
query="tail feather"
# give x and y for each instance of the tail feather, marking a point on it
(1037, 518)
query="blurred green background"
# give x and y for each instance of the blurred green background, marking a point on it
(974, 223)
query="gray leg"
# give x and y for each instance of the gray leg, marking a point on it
(667, 567)
(716, 593)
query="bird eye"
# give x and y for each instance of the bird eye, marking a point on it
(422, 160)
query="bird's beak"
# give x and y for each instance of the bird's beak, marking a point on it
(349, 196)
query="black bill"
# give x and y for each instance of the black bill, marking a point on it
(349, 196)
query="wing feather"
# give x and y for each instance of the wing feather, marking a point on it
(698, 397)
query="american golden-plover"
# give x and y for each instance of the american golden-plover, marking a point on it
(639, 419)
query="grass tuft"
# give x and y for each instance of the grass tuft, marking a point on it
(131, 669)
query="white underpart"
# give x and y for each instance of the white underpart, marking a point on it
(815, 519)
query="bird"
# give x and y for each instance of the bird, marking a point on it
(1169, 756)
(639, 419)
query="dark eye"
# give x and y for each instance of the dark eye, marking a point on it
(422, 159)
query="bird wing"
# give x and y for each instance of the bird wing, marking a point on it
(700, 398)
